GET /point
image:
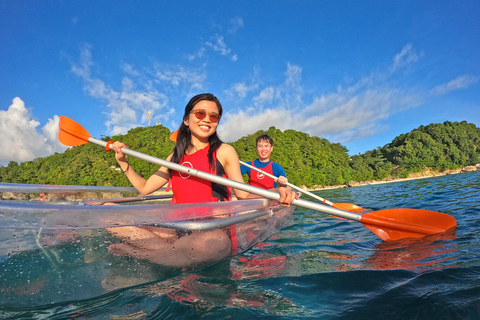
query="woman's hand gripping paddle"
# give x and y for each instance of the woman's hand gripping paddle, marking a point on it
(389, 224)
(344, 206)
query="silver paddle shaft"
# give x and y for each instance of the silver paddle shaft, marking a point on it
(233, 184)
(288, 184)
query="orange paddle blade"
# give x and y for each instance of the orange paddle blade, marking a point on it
(173, 136)
(348, 207)
(395, 224)
(71, 133)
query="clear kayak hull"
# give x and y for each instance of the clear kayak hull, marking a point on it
(55, 253)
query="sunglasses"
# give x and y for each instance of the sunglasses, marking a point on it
(200, 114)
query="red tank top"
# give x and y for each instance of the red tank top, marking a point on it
(260, 180)
(191, 189)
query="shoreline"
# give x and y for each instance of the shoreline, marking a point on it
(79, 196)
(412, 176)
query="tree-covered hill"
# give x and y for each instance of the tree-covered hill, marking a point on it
(91, 165)
(437, 147)
(307, 160)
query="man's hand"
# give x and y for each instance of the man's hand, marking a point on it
(282, 181)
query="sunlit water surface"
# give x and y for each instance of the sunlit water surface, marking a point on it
(324, 268)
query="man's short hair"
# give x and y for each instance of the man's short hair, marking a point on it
(264, 137)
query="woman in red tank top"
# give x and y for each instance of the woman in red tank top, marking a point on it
(198, 146)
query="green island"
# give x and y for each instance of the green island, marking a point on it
(311, 162)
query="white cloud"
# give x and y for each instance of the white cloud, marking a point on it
(218, 45)
(21, 141)
(236, 125)
(266, 96)
(236, 24)
(82, 69)
(130, 70)
(199, 54)
(50, 132)
(293, 75)
(460, 82)
(339, 116)
(239, 90)
(217, 42)
(348, 114)
(178, 75)
(129, 107)
(407, 56)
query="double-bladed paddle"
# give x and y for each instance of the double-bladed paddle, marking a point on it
(389, 224)
(344, 206)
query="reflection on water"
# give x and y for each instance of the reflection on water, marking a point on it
(433, 252)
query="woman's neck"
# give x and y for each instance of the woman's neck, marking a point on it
(196, 145)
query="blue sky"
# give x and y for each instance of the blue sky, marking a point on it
(355, 72)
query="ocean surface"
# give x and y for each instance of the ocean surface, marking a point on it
(322, 267)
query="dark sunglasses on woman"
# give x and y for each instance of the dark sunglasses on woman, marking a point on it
(200, 114)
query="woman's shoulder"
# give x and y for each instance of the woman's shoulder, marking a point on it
(226, 151)
(226, 148)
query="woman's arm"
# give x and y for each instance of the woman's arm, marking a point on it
(144, 186)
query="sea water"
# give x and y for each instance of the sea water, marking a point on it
(322, 267)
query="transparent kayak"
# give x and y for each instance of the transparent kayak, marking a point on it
(57, 252)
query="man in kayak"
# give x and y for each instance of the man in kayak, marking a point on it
(264, 150)
(198, 146)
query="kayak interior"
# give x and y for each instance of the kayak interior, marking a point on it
(52, 253)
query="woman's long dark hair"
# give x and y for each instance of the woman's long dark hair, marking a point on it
(184, 137)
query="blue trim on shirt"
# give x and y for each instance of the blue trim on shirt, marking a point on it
(276, 168)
